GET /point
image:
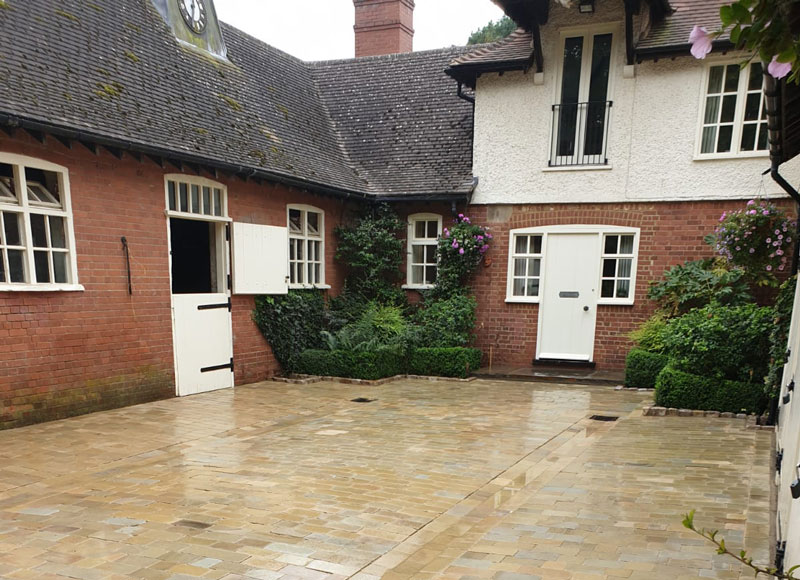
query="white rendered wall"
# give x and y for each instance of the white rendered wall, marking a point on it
(652, 136)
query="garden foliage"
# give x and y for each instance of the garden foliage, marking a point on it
(444, 362)
(650, 334)
(642, 368)
(369, 365)
(376, 328)
(461, 249)
(679, 389)
(447, 322)
(779, 336)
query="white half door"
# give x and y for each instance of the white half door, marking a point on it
(568, 310)
(203, 342)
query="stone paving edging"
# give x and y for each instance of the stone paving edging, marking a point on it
(311, 379)
(750, 420)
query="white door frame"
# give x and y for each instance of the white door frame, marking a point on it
(223, 259)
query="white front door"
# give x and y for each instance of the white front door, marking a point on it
(568, 309)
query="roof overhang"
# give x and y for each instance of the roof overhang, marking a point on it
(468, 73)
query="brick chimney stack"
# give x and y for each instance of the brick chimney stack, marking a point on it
(384, 27)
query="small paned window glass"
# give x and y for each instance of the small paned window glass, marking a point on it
(734, 111)
(306, 247)
(423, 243)
(617, 266)
(195, 198)
(526, 265)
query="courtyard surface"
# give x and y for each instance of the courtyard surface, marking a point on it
(487, 479)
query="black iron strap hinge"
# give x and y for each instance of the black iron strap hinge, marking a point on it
(227, 232)
(218, 367)
(230, 282)
(227, 305)
(778, 460)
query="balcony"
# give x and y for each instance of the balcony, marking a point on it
(580, 134)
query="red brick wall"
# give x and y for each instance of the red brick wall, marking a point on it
(67, 353)
(384, 27)
(670, 234)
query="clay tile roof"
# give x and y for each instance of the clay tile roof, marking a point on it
(515, 52)
(672, 34)
(114, 74)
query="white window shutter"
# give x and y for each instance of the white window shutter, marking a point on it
(260, 263)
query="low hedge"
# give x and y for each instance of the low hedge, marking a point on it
(444, 362)
(678, 389)
(368, 365)
(642, 368)
(388, 362)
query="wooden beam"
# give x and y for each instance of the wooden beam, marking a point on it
(114, 151)
(135, 155)
(176, 164)
(38, 135)
(631, 8)
(537, 48)
(90, 146)
(10, 131)
(157, 160)
(64, 141)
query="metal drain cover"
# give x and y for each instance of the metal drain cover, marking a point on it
(363, 400)
(192, 524)
(606, 418)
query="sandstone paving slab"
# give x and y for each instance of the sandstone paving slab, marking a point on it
(486, 479)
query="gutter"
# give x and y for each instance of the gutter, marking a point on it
(677, 50)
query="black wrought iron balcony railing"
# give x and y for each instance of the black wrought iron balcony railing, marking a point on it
(580, 134)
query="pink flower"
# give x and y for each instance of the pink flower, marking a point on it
(700, 39)
(461, 251)
(779, 69)
(751, 202)
(765, 212)
(769, 268)
(769, 241)
(752, 250)
(455, 245)
(751, 212)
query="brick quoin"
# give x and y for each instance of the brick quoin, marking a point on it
(69, 353)
(384, 27)
(671, 232)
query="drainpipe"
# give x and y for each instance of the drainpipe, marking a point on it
(463, 96)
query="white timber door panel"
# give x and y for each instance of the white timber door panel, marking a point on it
(203, 342)
(568, 310)
(259, 259)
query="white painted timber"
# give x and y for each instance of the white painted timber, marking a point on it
(260, 263)
(569, 305)
(652, 137)
(203, 339)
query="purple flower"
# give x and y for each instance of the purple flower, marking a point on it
(779, 252)
(769, 241)
(752, 250)
(461, 251)
(769, 268)
(751, 212)
(765, 212)
(479, 238)
(489, 236)
(738, 248)
(700, 39)
(778, 69)
(455, 245)
(751, 202)
(780, 267)
(461, 216)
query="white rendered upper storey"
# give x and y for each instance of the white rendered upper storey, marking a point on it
(590, 128)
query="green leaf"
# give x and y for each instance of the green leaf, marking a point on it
(741, 14)
(726, 15)
(736, 33)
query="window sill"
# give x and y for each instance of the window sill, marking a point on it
(729, 156)
(417, 286)
(578, 168)
(309, 287)
(522, 300)
(615, 302)
(41, 288)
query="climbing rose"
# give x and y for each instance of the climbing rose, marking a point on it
(700, 38)
(779, 69)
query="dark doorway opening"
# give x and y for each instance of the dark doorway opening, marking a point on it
(192, 256)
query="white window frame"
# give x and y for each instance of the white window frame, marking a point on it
(200, 182)
(545, 231)
(588, 33)
(412, 241)
(23, 206)
(305, 237)
(738, 117)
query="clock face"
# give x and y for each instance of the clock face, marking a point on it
(194, 14)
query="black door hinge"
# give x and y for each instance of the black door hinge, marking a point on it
(230, 282)
(780, 556)
(218, 367)
(227, 232)
(778, 460)
(228, 305)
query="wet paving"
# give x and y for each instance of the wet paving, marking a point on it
(486, 479)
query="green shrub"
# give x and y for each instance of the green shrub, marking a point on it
(444, 362)
(650, 335)
(291, 323)
(642, 368)
(369, 365)
(779, 336)
(447, 322)
(675, 388)
(725, 342)
(373, 254)
(379, 326)
(696, 284)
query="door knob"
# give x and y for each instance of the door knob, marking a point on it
(586, 309)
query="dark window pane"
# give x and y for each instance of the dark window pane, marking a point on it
(712, 110)
(715, 79)
(58, 238)
(196, 199)
(732, 78)
(433, 229)
(763, 136)
(419, 229)
(611, 245)
(12, 229)
(519, 267)
(537, 268)
(313, 220)
(607, 290)
(625, 267)
(171, 196)
(2, 267)
(217, 202)
(430, 274)
(16, 266)
(532, 287)
(60, 267)
(38, 231)
(430, 254)
(42, 264)
(756, 80)
(570, 92)
(45, 185)
(296, 221)
(184, 197)
(749, 136)
(728, 108)
(537, 245)
(417, 254)
(752, 106)
(709, 138)
(521, 247)
(623, 288)
(626, 245)
(519, 286)
(725, 138)
(207, 200)
(609, 268)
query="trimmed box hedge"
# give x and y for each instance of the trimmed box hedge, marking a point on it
(444, 362)
(368, 365)
(682, 390)
(372, 365)
(642, 368)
